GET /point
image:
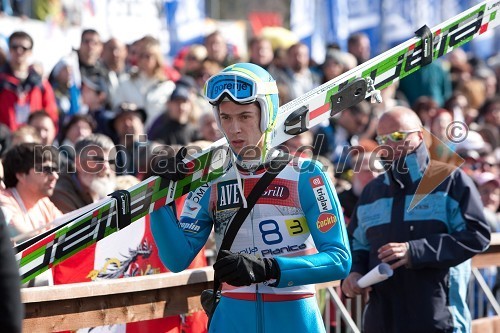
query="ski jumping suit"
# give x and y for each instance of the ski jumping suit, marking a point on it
(297, 220)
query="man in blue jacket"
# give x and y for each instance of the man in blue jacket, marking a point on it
(293, 237)
(428, 245)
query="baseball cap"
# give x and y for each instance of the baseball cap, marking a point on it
(486, 177)
(95, 82)
(473, 142)
(180, 92)
(125, 108)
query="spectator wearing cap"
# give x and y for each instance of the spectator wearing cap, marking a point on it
(132, 144)
(173, 126)
(66, 91)
(201, 104)
(22, 89)
(148, 87)
(94, 96)
(488, 185)
(472, 149)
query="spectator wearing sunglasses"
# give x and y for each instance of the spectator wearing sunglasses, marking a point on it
(428, 243)
(30, 176)
(94, 175)
(22, 89)
(148, 87)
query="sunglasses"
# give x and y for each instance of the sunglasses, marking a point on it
(16, 47)
(47, 170)
(394, 136)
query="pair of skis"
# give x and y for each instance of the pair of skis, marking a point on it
(124, 207)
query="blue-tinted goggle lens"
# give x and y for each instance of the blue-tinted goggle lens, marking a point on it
(238, 88)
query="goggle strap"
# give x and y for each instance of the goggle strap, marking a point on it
(267, 88)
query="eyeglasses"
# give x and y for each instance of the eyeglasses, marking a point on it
(240, 89)
(394, 136)
(16, 47)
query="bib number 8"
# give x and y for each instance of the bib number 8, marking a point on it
(270, 232)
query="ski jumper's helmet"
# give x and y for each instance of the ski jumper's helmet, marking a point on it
(245, 83)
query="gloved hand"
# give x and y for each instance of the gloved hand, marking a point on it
(239, 269)
(171, 168)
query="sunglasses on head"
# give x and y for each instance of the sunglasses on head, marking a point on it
(394, 136)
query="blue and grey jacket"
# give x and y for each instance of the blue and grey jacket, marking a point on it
(444, 230)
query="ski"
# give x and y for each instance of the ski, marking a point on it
(124, 207)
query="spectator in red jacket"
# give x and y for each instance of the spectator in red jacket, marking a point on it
(22, 89)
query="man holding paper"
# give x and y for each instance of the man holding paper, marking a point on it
(427, 242)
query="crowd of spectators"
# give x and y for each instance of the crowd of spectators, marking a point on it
(129, 103)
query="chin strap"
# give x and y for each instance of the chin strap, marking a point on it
(240, 185)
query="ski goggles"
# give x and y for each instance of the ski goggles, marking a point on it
(394, 136)
(238, 88)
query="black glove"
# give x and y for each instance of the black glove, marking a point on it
(171, 168)
(242, 269)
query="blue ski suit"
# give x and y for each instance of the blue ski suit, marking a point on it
(297, 220)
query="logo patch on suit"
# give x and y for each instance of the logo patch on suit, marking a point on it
(326, 221)
(189, 225)
(319, 188)
(228, 195)
(191, 209)
(276, 192)
(297, 226)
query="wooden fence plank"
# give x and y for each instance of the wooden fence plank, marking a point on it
(80, 305)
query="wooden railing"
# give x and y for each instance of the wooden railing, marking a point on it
(80, 305)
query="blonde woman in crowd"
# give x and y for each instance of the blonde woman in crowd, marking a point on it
(148, 86)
